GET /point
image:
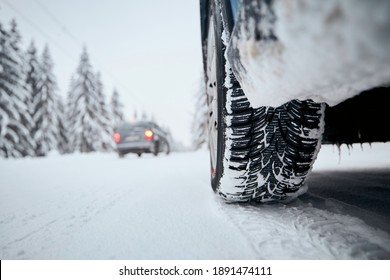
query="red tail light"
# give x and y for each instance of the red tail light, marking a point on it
(149, 135)
(117, 137)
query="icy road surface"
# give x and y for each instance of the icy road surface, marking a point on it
(98, 206)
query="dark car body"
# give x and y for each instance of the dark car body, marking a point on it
(141, 137)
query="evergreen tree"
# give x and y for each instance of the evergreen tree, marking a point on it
(15, 37)
(27, 143)
(69, 111)
(106, 131)
(44, 103)
(33, 75)
(15, 120)
(33, 84)
(86, 132)
(116, 108)
(62, 140)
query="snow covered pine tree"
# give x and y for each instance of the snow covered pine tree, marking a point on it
(63, 138)
(105, 118)
(44, 103)
(15, 119)
(86, 127)
(116, 109)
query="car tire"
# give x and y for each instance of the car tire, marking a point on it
(168, 149)
(121, 155)
(258, 154)
(156, 148)
(165, 148)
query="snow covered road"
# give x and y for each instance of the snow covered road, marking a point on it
(98, 206)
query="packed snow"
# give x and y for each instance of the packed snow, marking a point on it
(327, 51)
(98, 206)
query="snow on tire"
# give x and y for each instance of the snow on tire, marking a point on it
(262, 154)
(269, 151)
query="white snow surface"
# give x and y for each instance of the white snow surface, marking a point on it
(97, 206)
(327, 51)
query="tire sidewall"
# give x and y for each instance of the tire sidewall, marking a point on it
(215, 15)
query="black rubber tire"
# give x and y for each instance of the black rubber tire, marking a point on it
(168, 149)
(156, 148)
(121, 155)
(265, 153)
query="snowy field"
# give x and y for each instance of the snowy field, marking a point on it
(97, 206)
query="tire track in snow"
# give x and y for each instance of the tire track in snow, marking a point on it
(300, 231)
(68, 222)
(31, 233)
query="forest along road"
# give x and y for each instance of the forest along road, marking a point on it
(97, 206)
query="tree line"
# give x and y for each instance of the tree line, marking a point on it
(35, 119)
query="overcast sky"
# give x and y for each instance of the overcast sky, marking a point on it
(149, 50)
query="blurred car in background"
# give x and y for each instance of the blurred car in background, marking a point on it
(141, 137)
